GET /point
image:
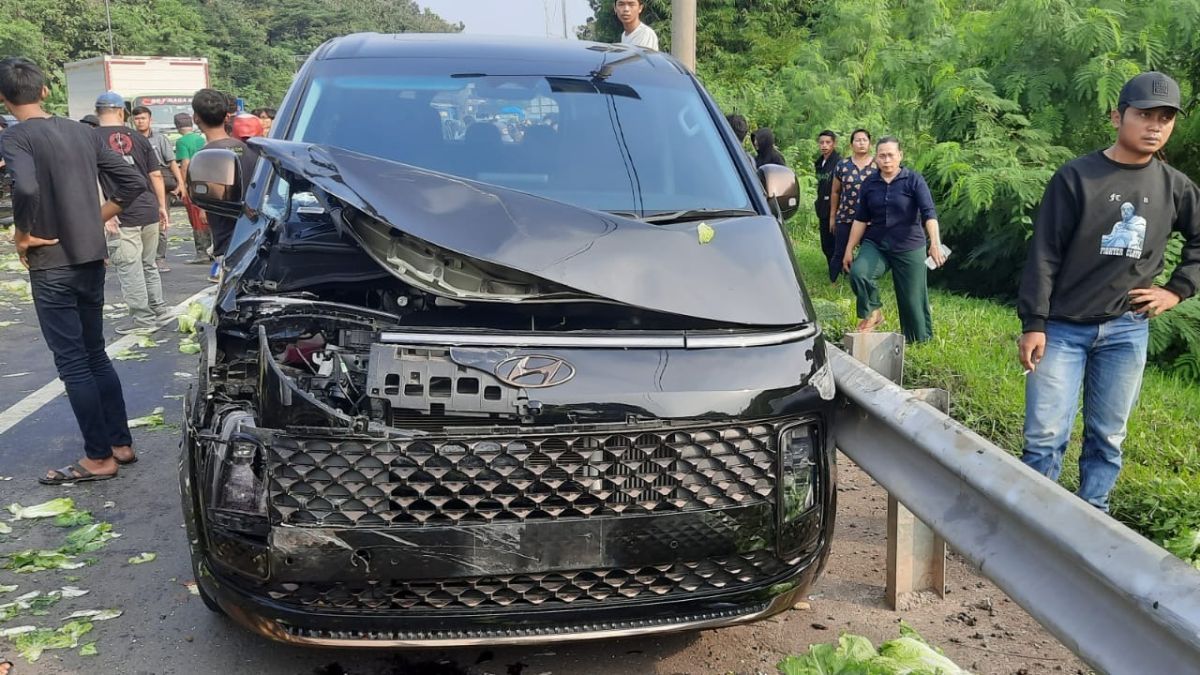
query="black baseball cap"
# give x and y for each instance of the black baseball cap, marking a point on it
(1150, 90)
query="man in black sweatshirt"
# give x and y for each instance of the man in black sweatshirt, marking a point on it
(59, 233)
(1088, 290)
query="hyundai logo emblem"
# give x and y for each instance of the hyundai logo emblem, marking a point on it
(534, 372)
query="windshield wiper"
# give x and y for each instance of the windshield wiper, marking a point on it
(684, 215)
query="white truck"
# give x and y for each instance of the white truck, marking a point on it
(164, 84)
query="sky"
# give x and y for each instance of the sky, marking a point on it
(512, 17)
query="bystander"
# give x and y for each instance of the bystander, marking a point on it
(164, 151)
(636, 33)
(1088, 289)
(55, 164)
(187, 145)
(894, 216)
(133, 239)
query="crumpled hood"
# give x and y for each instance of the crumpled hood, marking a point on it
(744, 274)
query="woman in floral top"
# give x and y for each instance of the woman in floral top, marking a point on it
(848, 178)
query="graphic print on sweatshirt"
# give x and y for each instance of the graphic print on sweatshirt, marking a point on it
(1128, 235)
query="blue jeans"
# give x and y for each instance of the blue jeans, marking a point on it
(69, 302)
(1107, 359)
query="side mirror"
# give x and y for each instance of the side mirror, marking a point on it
(782, 189)
(214, 182)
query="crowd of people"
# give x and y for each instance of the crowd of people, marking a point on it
(1088, 289)
(92, 193)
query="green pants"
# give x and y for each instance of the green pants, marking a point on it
(908, 276)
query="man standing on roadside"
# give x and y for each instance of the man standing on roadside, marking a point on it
(210, 109)
(55, 163)
(133, 241)
(187, 145)
(164, 150)
(1088, 290)
(823, 166)
(638, 34)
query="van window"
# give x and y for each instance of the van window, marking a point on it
(597, 143)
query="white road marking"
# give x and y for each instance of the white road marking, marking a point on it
(33, 402)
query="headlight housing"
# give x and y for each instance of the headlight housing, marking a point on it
(798, 457)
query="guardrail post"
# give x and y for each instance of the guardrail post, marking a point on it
(916, 555)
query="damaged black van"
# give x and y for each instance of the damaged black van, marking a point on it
(509, 347)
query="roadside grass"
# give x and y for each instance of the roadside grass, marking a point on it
(973, 356)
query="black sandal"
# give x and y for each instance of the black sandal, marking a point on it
(81, 475)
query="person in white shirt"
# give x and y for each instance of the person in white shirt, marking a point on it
(629, 12)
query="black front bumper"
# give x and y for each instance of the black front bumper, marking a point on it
(286, 620)
(418, 543)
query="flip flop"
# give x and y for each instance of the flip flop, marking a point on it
(81, 475)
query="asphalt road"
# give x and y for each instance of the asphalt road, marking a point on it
(164, 629)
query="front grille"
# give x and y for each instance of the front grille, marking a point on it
(721, 574)
(447, 480)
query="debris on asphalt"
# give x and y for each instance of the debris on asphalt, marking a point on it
(95, 614)
(88, 649)
(73, 518)
(143, 558)
(89, 538)
(31, 644)
(154, 420)
(35, 560)
(131, 354)
(49, 509)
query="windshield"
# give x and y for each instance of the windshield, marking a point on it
(597, 143)
(164, 108)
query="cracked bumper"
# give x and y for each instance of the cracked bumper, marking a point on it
(278, 621)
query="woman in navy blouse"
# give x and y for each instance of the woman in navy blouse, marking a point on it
(848, 177)
(895, 223)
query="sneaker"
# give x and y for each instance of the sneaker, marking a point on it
(162, 265)
(199, 260)
(133, 329)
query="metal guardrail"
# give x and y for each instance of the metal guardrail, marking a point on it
(1118, 601)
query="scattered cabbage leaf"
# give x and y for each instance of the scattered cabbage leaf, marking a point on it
(49, 509)
(154, 420)
(73, 518)
(95, 614)
(35, 560)
(31, 644)
(89, 538)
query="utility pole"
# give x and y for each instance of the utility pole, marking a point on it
(683, 32)
(564, 17)
(108, 15)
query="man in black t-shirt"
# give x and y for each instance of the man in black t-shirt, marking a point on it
(823, 166)
(210, 109)
(55, 163)
(1088, 289)
(133, 243)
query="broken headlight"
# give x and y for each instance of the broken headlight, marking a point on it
(798, 450)
(238, 480)
(237, 512)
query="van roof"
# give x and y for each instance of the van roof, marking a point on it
(579, 56)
